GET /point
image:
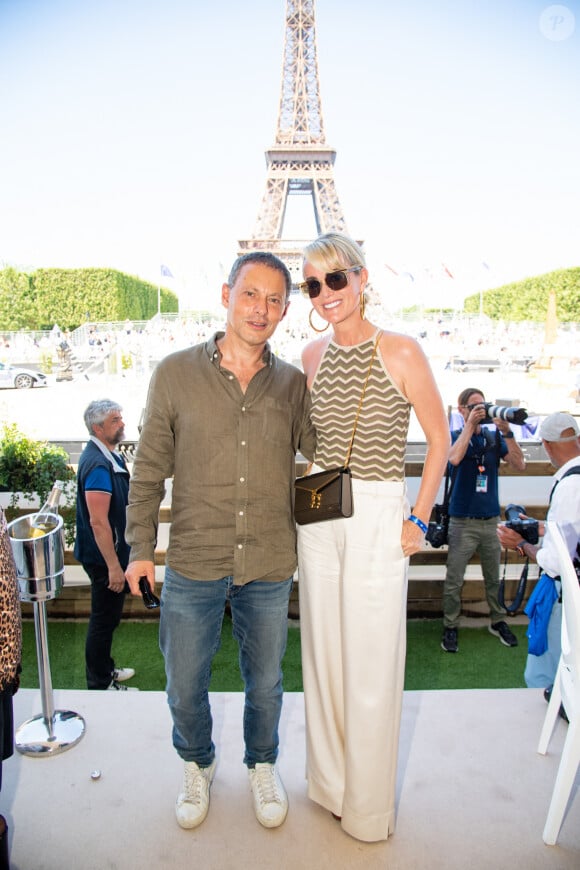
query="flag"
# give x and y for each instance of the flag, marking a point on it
(166, 271)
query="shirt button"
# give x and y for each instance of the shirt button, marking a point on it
(231, 377)
(239, 546)
(241, 513)
(242, 479)
(243, 409)
(243, 443)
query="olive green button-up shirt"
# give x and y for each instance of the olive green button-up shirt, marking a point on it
(232, 459)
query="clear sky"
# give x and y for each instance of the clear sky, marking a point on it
(133, 135)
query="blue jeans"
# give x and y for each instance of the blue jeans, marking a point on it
(189, 635)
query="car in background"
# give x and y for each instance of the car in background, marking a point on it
(19, 378)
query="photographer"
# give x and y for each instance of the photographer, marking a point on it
(561, 439)
(475, 456)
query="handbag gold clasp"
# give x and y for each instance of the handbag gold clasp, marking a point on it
(315, 500)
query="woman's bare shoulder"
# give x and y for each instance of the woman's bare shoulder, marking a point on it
(395, 343)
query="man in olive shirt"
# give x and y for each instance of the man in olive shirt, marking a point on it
(225, 419)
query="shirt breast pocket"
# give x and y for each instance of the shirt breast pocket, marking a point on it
(277, 422)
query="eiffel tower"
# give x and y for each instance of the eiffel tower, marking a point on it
(300, 162)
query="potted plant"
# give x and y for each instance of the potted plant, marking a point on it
(28, 469)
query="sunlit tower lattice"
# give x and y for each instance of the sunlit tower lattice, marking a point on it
(300, 162)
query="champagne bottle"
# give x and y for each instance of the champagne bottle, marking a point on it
(47, 517)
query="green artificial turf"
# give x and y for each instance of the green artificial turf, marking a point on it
(481, 663)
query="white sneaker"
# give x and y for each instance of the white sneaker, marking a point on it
(192, 802)
(122, 674)
(270, 798)
(117, 687)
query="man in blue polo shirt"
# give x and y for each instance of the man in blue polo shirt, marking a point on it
(475, 456)
(100, 546)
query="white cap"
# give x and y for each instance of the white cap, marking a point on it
(552, 427)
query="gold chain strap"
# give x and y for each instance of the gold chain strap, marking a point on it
(364, 389)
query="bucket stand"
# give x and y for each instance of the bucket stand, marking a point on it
(39, 568)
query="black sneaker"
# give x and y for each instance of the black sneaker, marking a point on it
(119, 687)
(501, 630)
(449, 642)
(561, 711)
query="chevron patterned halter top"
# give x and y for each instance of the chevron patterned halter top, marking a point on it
(381, 436)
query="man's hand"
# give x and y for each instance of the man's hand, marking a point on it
(136, 570)
(508, 538)
(502, 425)
(116, 579)
(476, 416)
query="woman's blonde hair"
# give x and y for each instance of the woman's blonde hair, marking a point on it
(334, 251)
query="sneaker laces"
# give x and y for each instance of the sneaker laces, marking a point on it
(267, 786)
(118, 687)
(193, 783)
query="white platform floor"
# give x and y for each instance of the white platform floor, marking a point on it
(472, 791)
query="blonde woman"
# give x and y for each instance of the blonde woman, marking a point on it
(353, 572)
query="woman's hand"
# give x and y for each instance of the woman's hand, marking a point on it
(412, 538)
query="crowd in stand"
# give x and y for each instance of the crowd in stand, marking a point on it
(442, 337)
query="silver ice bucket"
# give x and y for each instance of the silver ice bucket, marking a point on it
(39, 561)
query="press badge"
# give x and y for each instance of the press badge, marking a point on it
(481, 483)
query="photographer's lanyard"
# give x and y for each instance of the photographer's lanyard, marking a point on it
(481, 477)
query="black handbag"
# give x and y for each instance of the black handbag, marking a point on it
(327, 495)
(438, 531)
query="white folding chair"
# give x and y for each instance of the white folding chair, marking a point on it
(566, 691)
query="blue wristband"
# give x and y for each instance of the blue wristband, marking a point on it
(413, 519)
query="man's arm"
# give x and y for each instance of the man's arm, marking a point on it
(512, 540)
(98, 504)
(514, 456)
(307, 432)
(153, 465)
(460, 445)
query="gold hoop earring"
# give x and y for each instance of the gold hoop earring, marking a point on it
(315, 328)
(362, 304)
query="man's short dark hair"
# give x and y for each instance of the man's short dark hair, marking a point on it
(465, 396)
(264, 258)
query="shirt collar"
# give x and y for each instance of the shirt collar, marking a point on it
(215, 355)
(108, 454)
(564, 468)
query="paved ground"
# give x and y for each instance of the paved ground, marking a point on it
(472, 791)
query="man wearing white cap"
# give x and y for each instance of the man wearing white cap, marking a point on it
(560, 436)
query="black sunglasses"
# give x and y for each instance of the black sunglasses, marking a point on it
(334, 280)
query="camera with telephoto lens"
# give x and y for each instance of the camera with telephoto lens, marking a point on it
(512, 415)
(528, 529)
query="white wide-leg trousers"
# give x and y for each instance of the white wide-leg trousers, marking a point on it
(352, 583)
